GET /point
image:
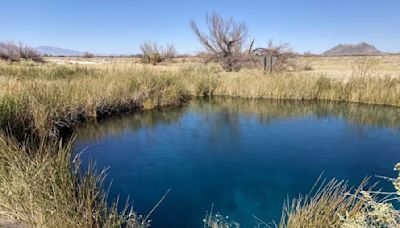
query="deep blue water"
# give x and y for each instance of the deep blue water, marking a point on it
(244, 156)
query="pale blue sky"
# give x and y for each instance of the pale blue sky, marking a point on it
(119, 26)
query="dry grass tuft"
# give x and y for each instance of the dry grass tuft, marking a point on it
(322, 208)
(39, 189)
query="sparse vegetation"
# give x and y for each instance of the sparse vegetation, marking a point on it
(307, 63)
(332, 204)
(364, 67)
(88, 55)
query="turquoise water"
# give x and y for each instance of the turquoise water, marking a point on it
(244, 156)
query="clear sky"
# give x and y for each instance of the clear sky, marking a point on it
(119, 26)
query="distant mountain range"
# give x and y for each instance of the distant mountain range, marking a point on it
(339, 50)
(55, 51)
(353, 49)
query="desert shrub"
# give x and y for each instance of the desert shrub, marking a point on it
(307, 67)
(307, 62)
(378, 208)
(364, 66)
(88, 55)
(155, 54)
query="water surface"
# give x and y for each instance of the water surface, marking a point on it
(244, 156)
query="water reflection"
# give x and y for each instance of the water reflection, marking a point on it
(95, 130)
(359, 115)
(270, 110)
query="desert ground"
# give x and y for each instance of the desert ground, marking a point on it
(334, 67)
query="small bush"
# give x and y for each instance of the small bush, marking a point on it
(307, 64)
(364, 66)
(155, 54)
(88, 55)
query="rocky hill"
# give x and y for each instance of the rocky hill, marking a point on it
(353, 49)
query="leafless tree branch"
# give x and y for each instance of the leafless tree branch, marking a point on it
(225, 42)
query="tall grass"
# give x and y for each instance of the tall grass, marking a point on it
(299, 86)
(42, 105)
(323, 207)
(38, 186)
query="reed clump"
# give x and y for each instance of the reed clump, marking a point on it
(324, 207)
(299, 86)
(39, 188)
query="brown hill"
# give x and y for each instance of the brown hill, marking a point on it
(353, 49)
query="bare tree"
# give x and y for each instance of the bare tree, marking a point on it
(29, 53)
(153, 53)
(225, 42)
(11, 52)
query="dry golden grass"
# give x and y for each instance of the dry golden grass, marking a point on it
(342, 67)
(300, 86)
(38, 188)
(328, 66)
(323, 207)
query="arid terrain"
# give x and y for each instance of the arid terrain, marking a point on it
(329, 66)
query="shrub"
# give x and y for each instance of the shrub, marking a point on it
(364, 66)
(155, 54)
(88, 55)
